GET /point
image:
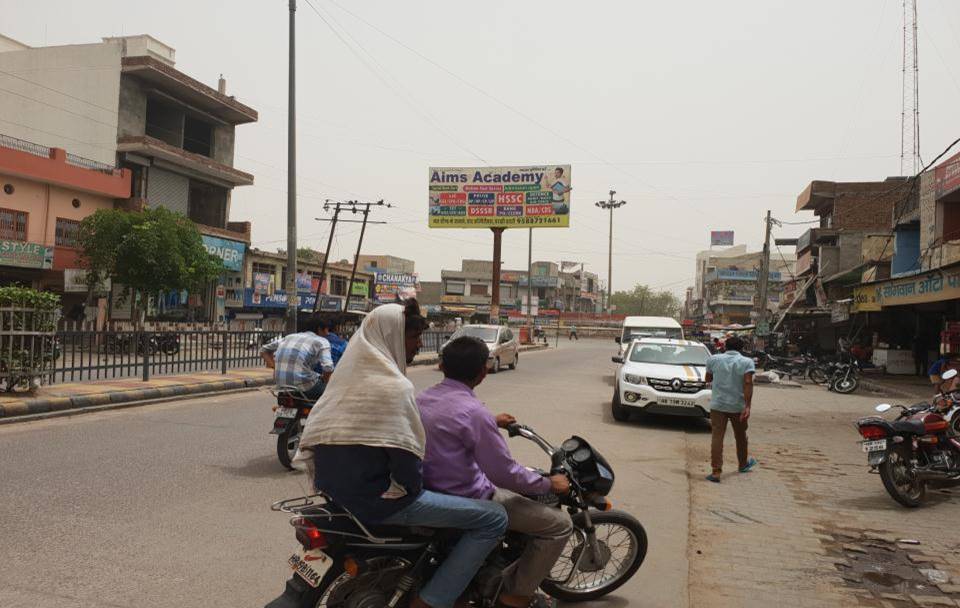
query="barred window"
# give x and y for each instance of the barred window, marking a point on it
(67, 233)
(13, 225)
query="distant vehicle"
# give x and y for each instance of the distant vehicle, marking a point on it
(500, 339)
(662, 376)
(648, 327)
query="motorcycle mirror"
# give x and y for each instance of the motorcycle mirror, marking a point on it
(950, 374)
(883, 407)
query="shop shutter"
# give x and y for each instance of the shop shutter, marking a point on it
(167, 189)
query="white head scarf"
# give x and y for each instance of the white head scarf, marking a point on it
(369, 400)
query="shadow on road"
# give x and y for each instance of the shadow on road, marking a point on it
(692, 424)
(260, 468)
(881, 501)
(610, 601)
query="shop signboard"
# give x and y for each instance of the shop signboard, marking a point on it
(500, 197)
(330, 303)
(262, 283)
(388, 286)
(75, 281)
(448, 299)
(721, 238)
(25, 255)
(541, 281)
(947, 176)
(933, 286)
(277, 299)
(840, 311)
(231, 252)
(865, 299)
(304, 282)
(729, 274)
(360, 288)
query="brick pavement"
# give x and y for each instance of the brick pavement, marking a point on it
(810, 527)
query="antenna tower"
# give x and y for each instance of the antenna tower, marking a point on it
(910, 112)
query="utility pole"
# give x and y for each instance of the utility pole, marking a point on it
(610, 205)
(764, 278)
(291, 286)
(326, 254)
(530, 278)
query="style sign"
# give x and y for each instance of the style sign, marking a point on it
(721, 238)
(25, 255)
(231, 252)
(500, 197)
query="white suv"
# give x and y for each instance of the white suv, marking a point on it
(662, 376)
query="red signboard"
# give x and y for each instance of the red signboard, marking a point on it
(947, 176)
(477, 210)
(453, 198)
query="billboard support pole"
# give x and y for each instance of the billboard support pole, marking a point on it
(291, 286)
(495, 296)
(530, 278)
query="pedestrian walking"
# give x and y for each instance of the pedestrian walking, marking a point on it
(731, 377)
(573, 333)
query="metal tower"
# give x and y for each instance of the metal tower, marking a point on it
(910, 112)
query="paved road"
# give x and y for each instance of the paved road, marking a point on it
(168, 505)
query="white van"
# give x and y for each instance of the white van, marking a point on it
(648, 327)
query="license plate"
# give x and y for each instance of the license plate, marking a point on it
(310, 565)
(875, 446)
(286, 412)
(672, 401)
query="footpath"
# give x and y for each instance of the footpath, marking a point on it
(124, 392)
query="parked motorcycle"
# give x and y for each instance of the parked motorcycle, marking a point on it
(344, 563)
(915, 449)
(290, 415)
(168, 342)
(845, 378)
(790, 367)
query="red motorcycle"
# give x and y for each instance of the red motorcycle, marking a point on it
(917, 448)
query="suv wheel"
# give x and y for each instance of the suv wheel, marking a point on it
(620, 413)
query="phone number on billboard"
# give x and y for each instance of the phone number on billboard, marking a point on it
(557, 221)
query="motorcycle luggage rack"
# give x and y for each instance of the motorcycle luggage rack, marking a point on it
(276, 391)
(297, 506)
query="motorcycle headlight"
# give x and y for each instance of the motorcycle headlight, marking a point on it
(634, 379)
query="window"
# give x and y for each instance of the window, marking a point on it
(479, 289)
(67, 232)
(373, 264)
(264, 268)
(13, 225)
(338, 285)
(455, 288)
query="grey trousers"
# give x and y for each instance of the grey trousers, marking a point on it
(548, 529)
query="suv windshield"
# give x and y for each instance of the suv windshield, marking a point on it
(669, 354)
(629, 333)
(487, 334)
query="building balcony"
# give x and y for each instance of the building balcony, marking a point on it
(816, 236)
(55, 166)
(191, 163)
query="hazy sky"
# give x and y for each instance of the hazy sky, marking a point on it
(701, 114)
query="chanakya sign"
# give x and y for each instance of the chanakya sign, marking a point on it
(231, 252)
(388, 286)
(25, 255)
(500, 197)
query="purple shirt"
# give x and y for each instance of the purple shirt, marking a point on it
(466, 454)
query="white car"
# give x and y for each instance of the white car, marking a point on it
(662, 376)
(500, 339)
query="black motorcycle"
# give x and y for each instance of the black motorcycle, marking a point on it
(845, 377)
(344, 563)
(168, 342)
(290, 415)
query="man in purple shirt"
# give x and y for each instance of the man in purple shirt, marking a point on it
(467, 456)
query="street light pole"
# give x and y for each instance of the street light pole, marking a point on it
(291, 286)
(610, 206)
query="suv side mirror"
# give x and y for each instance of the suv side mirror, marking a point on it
(617, 359)
(616, 339)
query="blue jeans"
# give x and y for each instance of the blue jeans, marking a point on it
(314, 392)
(484, 523)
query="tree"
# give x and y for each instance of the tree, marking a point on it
(148, 252)
(644, 301)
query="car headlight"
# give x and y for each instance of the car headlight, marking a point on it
(634, 379)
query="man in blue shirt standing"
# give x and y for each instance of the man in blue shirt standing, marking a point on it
(731, 377)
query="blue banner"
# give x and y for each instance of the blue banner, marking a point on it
(231, 252)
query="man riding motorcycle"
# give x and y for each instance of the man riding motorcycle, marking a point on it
(466, 456)
(363, 444)
(294, 359)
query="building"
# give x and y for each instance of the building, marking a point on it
(44, 194)
(469, 291)
(265, 274)
(727, 285)
(387, 263)
(122, 102)
(393, 277)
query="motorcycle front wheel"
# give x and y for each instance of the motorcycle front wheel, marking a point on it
(901, 484)
(846, 384)
(579, 575)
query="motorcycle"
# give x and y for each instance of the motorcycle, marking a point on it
(290, 415)
(917, 448)
(800, 366)
(168, 343)
(845, 378)
(344, 563)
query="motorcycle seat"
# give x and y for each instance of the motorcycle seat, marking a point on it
(909, 427)
(296, 396)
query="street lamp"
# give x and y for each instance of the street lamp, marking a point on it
(610, 205)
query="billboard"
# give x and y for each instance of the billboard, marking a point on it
(721, 238)
(231, 252)
(388, 286)
(500, 197)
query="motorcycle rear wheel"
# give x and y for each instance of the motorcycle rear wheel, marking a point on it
(896, 478)
(579, 578)
(287, 443)
(817, 375)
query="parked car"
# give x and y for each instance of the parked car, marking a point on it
(647, 327)
(500, 339)
(662, 376)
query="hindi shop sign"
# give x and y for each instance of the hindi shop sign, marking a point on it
(947, 176)
(500, 197)
(721, 238)
(388, 286)
(231, 252)
(931, 287)
(25, 255)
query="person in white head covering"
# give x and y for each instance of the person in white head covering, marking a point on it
(363, 446)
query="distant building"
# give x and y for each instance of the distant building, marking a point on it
(122, 102)
(727, 284)
(388, 263)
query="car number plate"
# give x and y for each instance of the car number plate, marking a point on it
(286, 412)
(310, 565)
(672, 401)
(875, 446)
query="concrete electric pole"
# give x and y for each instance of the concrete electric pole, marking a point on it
(610, 206)
(291, 286)
(764, 278)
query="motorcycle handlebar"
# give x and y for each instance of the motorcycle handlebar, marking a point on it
(515, 429)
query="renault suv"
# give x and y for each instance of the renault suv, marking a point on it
(662, 376)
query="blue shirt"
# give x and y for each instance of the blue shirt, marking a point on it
(295, 358)
(728, 370)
